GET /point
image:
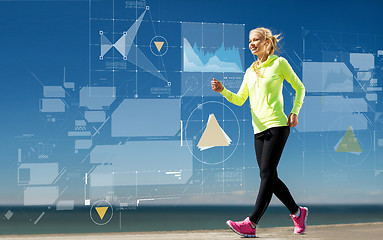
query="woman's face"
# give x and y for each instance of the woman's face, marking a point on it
(257, 44)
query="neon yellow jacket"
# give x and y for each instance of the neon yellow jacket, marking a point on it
(265, 92)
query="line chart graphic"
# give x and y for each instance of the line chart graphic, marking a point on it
(221, 60)
(211, 50)
(212, 47)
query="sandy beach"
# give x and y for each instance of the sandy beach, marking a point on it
(341, 231)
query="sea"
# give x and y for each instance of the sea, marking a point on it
(36, 220)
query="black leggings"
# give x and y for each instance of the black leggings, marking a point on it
(269, 145)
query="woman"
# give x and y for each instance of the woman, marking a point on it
(263, 83)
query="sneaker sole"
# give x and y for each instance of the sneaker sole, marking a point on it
(241, 234)
(307, 214)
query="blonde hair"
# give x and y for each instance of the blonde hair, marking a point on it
(268, 35)
(274, 39)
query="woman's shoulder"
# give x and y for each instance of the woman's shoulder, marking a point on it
(281, 59)
(282, 63)
(277, 60)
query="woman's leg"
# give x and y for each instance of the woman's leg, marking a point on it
(269, 148)
(284, 195)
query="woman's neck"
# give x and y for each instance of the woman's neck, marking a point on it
(262, 58)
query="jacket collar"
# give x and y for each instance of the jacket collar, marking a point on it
(269, 60)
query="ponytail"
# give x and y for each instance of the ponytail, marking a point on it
(274, 39)
(268, 35)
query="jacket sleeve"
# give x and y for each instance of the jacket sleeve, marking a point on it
(240, 97)
(288, 73)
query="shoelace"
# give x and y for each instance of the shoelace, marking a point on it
(242, 223)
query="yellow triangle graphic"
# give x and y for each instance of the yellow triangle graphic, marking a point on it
(349, 143)
(213, 136)
(101, 211)
(159, 45)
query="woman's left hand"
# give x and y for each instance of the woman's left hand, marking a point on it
(292, 121)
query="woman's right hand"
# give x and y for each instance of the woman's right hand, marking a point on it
(216, 85)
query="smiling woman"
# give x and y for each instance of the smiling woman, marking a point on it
(262, 43)
(263, 84)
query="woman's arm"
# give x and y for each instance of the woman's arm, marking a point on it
(290, 76)
(237, 99)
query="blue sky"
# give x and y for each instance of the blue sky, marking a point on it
(39, 38)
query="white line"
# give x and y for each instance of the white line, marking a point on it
(152, 199)
(172, 173)
(59, 176)
(38, 219)
(98, 130)
(181, 133)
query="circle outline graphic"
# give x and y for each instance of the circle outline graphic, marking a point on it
(367, 151)
(167, 46)
(90, 213)
(239, 132)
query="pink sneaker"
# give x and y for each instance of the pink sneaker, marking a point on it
(243, 228)
(300, 222)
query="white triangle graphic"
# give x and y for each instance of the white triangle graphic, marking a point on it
(120, 45)
(105, 45)
(213, 136)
